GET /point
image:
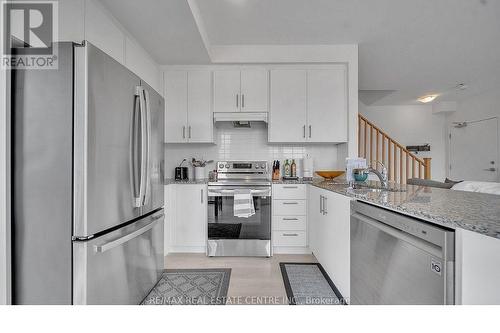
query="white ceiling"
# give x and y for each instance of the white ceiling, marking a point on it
(412, 47)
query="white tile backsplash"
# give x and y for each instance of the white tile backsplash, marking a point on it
(247, 144)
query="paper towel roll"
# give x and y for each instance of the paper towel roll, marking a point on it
(308, 163)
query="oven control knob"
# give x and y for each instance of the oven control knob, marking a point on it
(263, 166)
(227, 166)
(256, 166)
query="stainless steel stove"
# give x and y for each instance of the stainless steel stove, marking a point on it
(229, 235)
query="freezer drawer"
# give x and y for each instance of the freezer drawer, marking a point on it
(120, 267)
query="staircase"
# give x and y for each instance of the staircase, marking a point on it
(376, 146)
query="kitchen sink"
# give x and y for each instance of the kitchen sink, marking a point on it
(377, 188)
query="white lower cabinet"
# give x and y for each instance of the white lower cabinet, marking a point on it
(289, 220)
(186, 212)
(329, 230)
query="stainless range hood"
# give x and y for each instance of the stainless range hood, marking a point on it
(240, 117)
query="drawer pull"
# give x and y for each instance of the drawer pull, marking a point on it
(290, 187)
(290, 219)
(290, 235)
(290, 203)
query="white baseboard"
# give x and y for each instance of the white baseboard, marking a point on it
(291, 250)
(187, 249)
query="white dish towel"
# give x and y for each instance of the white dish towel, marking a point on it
(243, 203)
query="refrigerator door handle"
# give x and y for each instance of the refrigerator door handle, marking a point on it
(143, 116)
(148, 145)
(139, 198)
(123, 239)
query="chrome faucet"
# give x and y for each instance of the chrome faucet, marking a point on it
(382, 176)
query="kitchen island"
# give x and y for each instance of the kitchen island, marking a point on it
(476, 212)
(475, 218)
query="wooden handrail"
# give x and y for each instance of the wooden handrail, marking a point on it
(400, 166)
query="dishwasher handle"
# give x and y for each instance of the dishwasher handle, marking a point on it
(422, 244)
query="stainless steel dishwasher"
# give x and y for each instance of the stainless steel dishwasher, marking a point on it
(396, 259)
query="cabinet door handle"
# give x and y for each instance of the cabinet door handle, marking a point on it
(290, 203)
(290, 219)
(201, 196)
(321, 204)
(189, 131)
(290, 187)
(237, 101)
(183, 132)
(304, 131)
(310, 131)
(325, 205)
(290, 235)
(243, 101)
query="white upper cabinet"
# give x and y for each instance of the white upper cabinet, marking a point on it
(327, 105)
(241, 90)
(199, 109)
(287, 117)
(254, 90)
(308, 105)
(227, 91)
(176, 97)
(188, 104)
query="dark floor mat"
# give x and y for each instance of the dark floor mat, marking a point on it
(309, 284)
(191, 287)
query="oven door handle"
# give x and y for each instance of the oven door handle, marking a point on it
(230, 193)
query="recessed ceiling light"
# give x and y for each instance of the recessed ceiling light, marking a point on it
(427, 98)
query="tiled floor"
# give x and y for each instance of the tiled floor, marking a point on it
(253, 280)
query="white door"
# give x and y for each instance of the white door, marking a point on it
(190, 224)
(474, 151)
(227, 91)
(175, 106)
(254, 90)
(200, 106)
(326, 105)
(287, 113)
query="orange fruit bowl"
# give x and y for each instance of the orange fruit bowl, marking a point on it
(330, 174)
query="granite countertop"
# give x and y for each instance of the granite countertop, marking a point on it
(477, 212)
(169, 181)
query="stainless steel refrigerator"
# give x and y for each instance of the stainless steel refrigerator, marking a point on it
(87, 171)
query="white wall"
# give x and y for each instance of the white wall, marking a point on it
(248, 143)
(89, 20)
(484, 105)
(413, 125)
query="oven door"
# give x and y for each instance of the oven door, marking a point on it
(222, 224)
